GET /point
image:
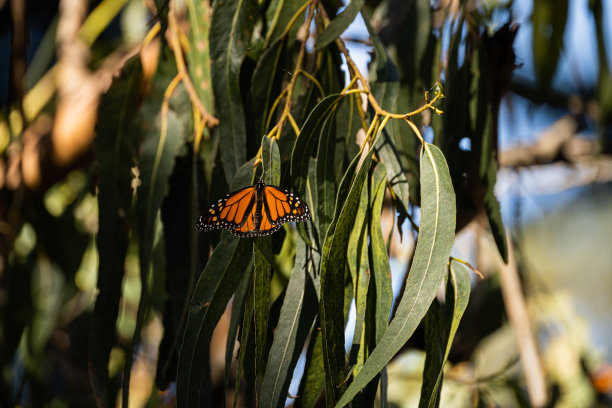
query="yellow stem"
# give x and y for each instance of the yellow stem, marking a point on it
(372, 128)
(313, 80)
(295, 126)
(355, 72)
(461, 261)
(416, 131)
(279, 98)
(350, 85)
(355, 91)
(295, 17)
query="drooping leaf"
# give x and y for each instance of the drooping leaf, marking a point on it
(357, 261)
(325, 176)
(296, 319)
(332, 284)
(115, 148)
(262, 251)
(265, 86)
(329, 74)
(279, 14)
(445, 323)
(379, 260)
(270, 157)
(225, 268)
(307, 142)
(246, 346)
(238, 308)
(313, 380)
(339, 24)
(347, 124)
(230, 31)
(262, 276)
(485, 148)
(436, 236)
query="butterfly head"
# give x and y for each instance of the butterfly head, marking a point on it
(260, 185)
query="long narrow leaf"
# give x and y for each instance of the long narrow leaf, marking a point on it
(279, 14)
(339, 24)
(238, 306)
(215, 287)
(357, 261)
(262, 253)
(265, 85)
(307, 142)
(457, 296)
(332, 285)
(296, 318)
(313, 380)
(325, 181)
(232, 23)
(436, 236)
(379, 262)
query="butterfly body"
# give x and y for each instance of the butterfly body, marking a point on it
(254, 211)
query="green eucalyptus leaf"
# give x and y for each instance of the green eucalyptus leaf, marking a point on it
(230, 31)
(228, 263)
(339, 24)
(296, 319)
(333, 262)
(436, 236)
(379, 260)
(440, 329)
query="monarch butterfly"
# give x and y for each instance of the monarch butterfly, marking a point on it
(254, 211)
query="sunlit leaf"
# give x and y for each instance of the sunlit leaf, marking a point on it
(357, 261)
(436, 236)
(199, 52)
(379, 260)
(332, 284)
(440, 327)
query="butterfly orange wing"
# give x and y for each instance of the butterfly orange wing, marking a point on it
(238, 211)
(283, 206)
(230, 212)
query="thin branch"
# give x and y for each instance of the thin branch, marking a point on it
(519, 320)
